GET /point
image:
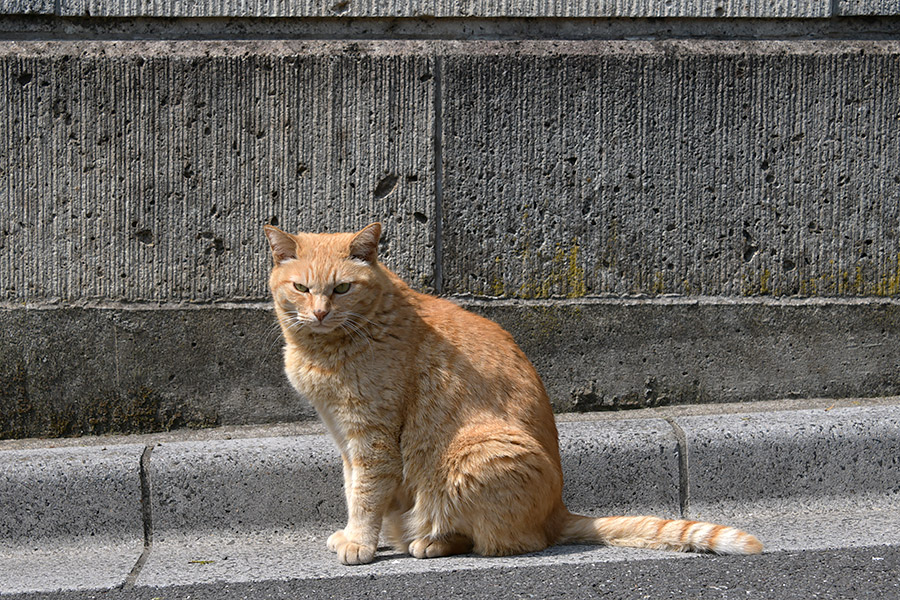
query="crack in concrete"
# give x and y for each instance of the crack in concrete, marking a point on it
(146, 517)
(438, 179)
(684, 480)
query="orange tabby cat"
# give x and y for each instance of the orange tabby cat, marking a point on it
(446, 433)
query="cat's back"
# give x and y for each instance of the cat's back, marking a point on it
(478, 360)
(472, 334)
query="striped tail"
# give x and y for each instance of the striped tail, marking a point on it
(660, 534)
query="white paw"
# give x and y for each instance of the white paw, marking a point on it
(426, 548)
(351, 553)
(335, 540)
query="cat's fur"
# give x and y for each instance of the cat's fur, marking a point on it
(445, 430)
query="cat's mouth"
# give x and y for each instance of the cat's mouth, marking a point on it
(326, 326)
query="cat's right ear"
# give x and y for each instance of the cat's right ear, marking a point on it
(364, 245)
(283, 245)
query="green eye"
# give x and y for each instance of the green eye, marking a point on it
(342, 288)
(301, 288)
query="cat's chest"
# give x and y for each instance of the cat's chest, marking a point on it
(327, 384)
(345, 400)
(321, 385)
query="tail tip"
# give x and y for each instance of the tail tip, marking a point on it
(752, 545)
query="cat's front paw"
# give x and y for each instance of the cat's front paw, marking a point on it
(336, 540)
(351, 553)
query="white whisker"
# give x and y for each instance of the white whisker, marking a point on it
(353, 328)
(359, 316)
(349, 331)
(273, 335)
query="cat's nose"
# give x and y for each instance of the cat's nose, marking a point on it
(320, 314)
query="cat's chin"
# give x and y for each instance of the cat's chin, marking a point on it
(322, 327)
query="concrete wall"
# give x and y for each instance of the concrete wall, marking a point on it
(655, 220)
(149, 169)
(434, 8)
(450, 8)
(650, 168)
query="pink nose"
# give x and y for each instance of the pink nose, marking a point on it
(320, 314)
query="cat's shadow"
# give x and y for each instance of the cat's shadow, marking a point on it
(386, 553)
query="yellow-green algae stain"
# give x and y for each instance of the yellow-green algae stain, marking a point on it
(566, 277)
(498, 288)
(575, 283)
(889, 284)
(659, 283)
(883, 282)
(860, 280)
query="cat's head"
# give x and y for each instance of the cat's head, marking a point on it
(321, 282)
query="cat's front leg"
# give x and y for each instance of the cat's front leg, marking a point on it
(337, 538)
(371, 476)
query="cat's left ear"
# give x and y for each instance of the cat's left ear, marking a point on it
(283, 245)
(364, 245)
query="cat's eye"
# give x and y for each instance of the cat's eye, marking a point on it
(342, 288)
(300, 287)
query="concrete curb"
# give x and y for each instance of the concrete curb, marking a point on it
(101, 517)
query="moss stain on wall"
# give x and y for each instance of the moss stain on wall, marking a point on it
(565, 279)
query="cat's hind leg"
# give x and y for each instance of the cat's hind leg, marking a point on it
(508, 487)
(393, 526)
(394, 533)
(434, 527)
(442, 545)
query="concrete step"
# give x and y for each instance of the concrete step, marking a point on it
(255, 504)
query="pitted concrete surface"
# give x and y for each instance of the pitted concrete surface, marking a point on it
(569, 184)
(70, 370)
(436, 8)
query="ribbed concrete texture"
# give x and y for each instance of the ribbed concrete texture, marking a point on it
(240, 8)
(448, 8)
(637, 8)
(146, 172)
(847, 8)
(687, 168)
(736, 169)
(27, 7)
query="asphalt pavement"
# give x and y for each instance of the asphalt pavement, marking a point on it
(858, 573)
